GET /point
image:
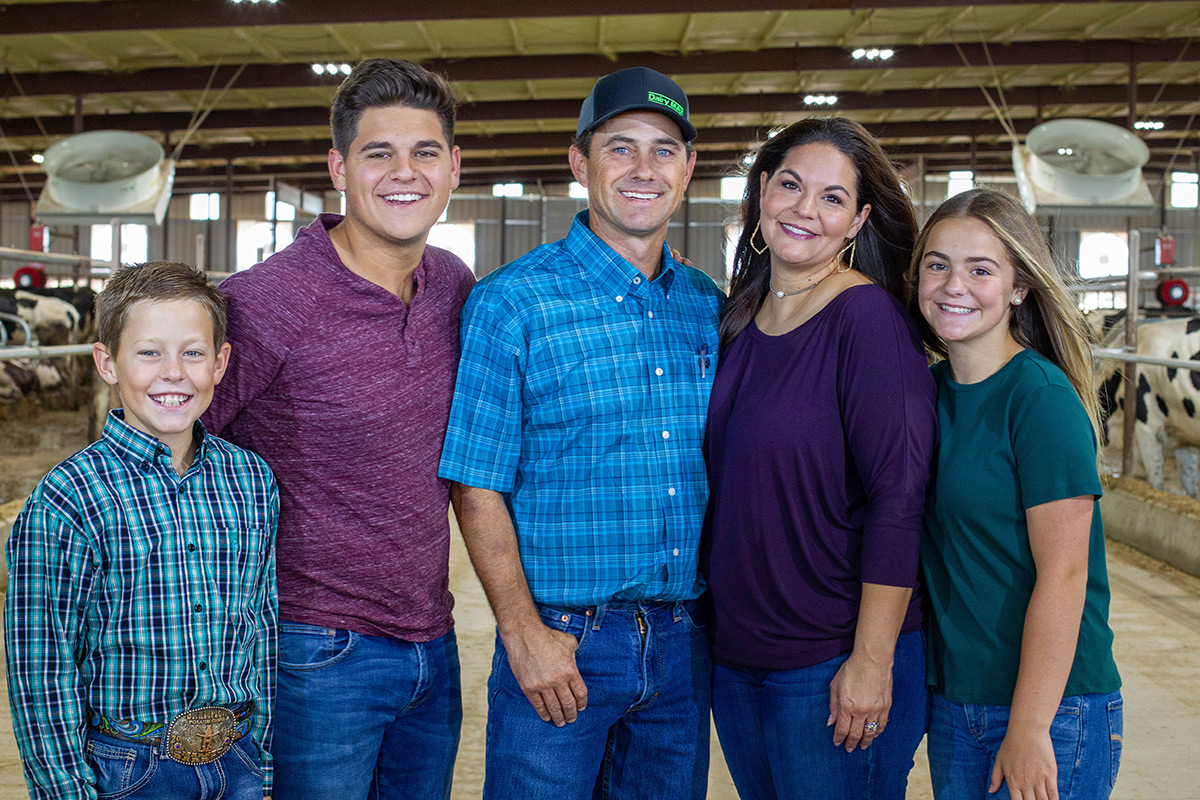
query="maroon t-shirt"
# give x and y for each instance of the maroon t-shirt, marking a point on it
(345, 391)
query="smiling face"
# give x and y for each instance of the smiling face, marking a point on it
(636, 172)
(809, 207)
(397, 175)
(165, 367)
(966, 286)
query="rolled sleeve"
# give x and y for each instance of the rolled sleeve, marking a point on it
(888, 405)
(483, 439)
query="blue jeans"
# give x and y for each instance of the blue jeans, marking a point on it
(645, 731)
(360, 716)
(131, 771)
(964, 739)
(772, 726)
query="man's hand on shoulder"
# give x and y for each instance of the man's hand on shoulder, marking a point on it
(543, 662)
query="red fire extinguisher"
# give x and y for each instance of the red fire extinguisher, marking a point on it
(39, 238)
(1164, 250)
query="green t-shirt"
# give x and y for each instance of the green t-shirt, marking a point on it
(1015, 440)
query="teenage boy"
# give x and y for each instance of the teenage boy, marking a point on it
(346, 346)
(140, 616)
(574, 442)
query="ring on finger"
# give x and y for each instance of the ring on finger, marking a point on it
(871, 727)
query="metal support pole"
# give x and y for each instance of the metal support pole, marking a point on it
(1131, 370)
(1132, 92)
(503, 230)
(230, 236)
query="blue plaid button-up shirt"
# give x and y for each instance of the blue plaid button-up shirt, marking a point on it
(138, 594)
(581, 396)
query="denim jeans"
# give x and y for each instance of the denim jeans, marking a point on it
(131, 771)
(645, 731)
(964, 739)
(772, 726)
(362, 716)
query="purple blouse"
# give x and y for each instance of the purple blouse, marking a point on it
(819, 444)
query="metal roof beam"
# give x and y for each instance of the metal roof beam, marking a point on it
(535, 67)
(509, 110)
(142, 15)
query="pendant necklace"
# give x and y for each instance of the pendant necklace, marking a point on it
(778, 293)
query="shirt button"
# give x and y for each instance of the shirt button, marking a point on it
(191, 547)
(197, 608)
(658, 371)
(671, 491)
(203, 666)
(620, 298)
(145, 466)
(650, 314)
(636, 281)
(675, 552)
(666, 434)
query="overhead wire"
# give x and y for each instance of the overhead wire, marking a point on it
(198, 121)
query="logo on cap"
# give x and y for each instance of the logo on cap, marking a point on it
(663, 100)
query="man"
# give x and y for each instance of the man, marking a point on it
(575, 447)
(347, 345)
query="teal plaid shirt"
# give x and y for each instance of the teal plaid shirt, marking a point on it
(582, 395)
(138, 594)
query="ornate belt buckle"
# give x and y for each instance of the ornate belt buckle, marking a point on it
(201, 735)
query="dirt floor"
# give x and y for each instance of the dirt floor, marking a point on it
(1155, 613)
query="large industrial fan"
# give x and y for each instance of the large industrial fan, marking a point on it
(100, 176)
(1081, 162)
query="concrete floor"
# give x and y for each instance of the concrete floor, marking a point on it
(1155, 613)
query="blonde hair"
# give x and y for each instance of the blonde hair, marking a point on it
(1048, 320)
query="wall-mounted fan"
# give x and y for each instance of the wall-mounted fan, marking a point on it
(1081, 162)
(100, 176)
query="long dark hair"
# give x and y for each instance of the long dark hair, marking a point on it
(883, 245)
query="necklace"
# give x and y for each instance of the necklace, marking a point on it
(778, 293)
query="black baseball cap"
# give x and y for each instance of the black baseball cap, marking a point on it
(634, 89)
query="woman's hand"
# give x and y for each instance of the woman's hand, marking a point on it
(860, 693)
(1026, 763)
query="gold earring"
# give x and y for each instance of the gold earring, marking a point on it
(842, 252)
(752, 247)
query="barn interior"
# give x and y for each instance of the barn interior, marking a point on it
(236, 95)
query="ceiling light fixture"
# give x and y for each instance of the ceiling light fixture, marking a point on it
(820, 99)
(1149, 125)
(873, 53)
(38, 158)
(332, 69)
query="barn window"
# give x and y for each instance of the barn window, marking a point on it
(1185, 189)
(1103, 254)
(961, 180)
(508, 190)
(205, 206)
(135, 243)
(457, 237)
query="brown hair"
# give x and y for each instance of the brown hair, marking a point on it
(1048, 320)
(883, 245)
(383, 83)
(155, 281)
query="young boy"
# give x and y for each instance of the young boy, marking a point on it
(141, 608)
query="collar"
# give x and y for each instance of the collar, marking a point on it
(606, 268)
(138, 447)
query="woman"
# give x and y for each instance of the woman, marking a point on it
(1013, 551)
(820, 431)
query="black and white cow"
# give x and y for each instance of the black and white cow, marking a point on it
(1168, 399)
